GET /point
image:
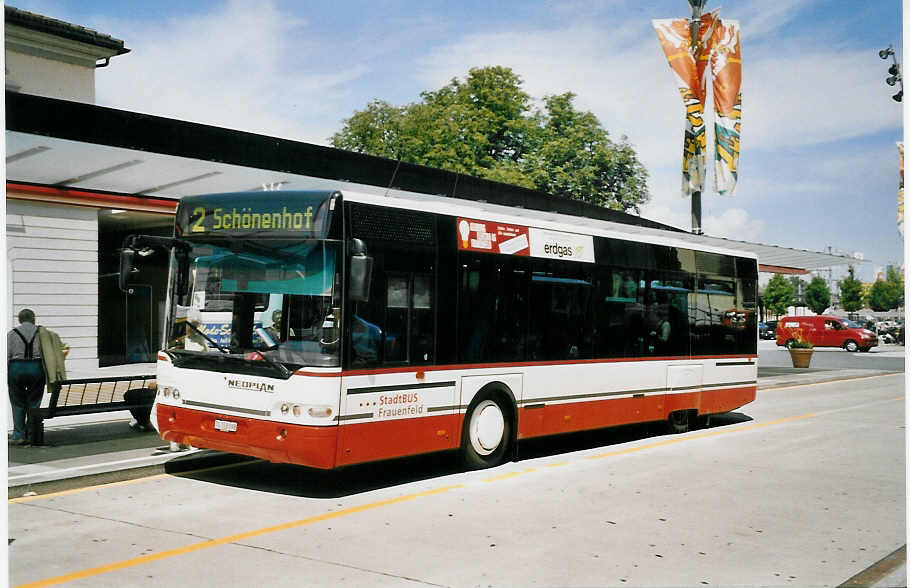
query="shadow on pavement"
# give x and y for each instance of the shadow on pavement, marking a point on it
(292, 480)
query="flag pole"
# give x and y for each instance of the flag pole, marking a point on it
(694, 25)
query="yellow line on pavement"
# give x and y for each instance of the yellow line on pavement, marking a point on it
(357, 509)
(510, 475)
(699, 436)
(30, 498)
(231, 538)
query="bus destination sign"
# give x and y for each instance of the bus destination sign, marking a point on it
(506, 239)
(299, 214)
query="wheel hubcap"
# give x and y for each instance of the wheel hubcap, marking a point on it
(487, 427)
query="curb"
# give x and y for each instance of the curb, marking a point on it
(790, 381)
(177, 464)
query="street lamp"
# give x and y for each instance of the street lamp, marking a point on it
(694, 29)
(894, 70)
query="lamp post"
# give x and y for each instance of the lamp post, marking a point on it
(694, 25)
(895, 71)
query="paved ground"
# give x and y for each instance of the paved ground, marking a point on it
(770, 504)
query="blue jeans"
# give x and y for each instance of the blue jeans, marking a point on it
(26, 387)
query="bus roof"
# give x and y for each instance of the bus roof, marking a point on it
(543, 220)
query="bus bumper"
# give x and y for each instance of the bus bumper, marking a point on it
(276, 442)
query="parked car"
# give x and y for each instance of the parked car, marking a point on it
(767, 330)
(890, 331)
(825, 331)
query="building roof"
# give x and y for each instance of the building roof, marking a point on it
(73, 147)
(59, 28)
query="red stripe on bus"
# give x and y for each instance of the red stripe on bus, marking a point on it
(554, 419)
(317, 374)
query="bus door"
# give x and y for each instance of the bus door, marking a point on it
(684, 384)
(391, 404)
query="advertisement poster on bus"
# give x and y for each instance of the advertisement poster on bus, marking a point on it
(506, 239)
(492, 237)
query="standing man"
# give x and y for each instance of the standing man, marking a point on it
(25, 372)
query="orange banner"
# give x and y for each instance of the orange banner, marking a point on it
(900, 191)
(688, 64)
(726, 68)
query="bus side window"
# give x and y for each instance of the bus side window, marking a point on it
(422, 319)
(493, 308)
(666, 314)
(617, 313)
(559, 302)
(396, 319)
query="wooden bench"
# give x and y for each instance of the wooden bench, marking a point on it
(86, 396)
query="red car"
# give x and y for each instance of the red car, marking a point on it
(825, 331)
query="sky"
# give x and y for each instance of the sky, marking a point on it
(818, 165)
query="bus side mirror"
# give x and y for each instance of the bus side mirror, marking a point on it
(183, 271)
(127, 267)
(361, 272)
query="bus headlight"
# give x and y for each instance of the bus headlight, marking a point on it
(320, 412)
(298, 410)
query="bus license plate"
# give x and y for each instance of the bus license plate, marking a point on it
(226, 426)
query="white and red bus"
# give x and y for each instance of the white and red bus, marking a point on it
(357, 327)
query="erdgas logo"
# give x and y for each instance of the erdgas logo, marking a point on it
(561, 245)
(250, 385)
(560, 250)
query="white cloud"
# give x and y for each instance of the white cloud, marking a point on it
(761, 18)
(732, 223)
(244, 66)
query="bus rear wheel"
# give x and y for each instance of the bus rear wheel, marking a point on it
(486, 434)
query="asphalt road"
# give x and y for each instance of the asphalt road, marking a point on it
(805, 486)
(883, 357)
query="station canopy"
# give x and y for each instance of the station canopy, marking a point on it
(76, 153)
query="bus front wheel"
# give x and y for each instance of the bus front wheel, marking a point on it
(486, 434)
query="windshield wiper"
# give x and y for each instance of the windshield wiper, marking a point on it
(285, 372)
(269, 346)
(209, 339)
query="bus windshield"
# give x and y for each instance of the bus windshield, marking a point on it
(262, 300)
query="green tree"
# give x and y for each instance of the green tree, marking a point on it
(818, 295)
(880, 297)
(486, 125)
(887, 294)
(851, 292)
(895, 283)
(778, 294)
